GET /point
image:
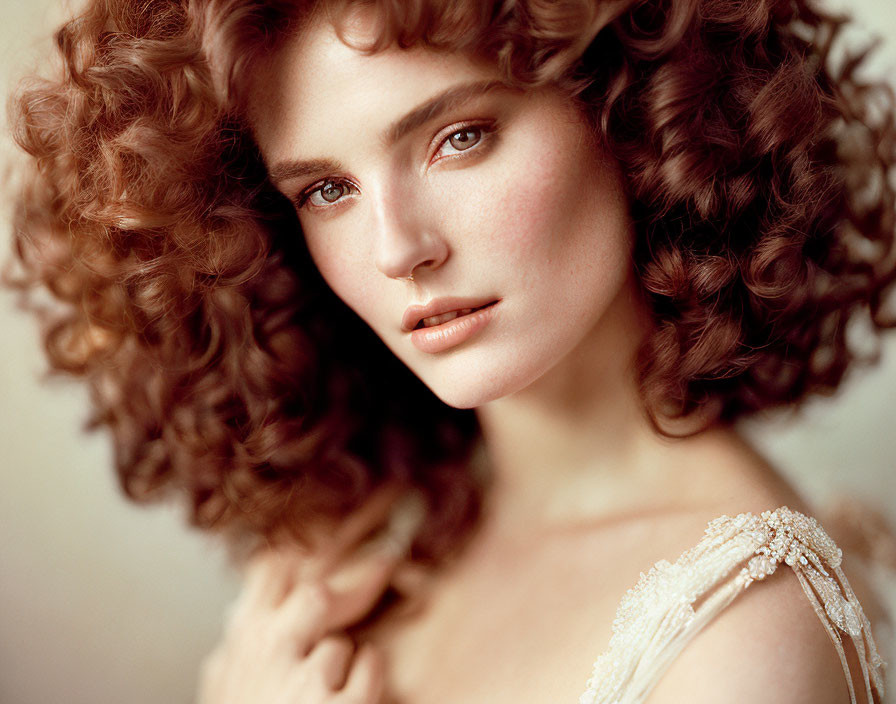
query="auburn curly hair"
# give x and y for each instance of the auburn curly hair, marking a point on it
(757, 166)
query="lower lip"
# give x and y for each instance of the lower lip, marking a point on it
(447, 335)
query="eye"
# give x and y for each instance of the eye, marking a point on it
(328, 193)
(461, 140)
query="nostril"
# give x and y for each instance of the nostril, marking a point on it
(400, 253)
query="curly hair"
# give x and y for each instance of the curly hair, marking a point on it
(758, 170)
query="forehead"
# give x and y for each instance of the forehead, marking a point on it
(315, 85)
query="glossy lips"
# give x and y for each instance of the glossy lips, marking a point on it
(452, 332)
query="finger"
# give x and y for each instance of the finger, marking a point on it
(367, 678)
(361, 522)
(269, 575)
(261, 579)
(315, 608)
(356, 588)
(303, 615)
(360, 582)
(331, 657)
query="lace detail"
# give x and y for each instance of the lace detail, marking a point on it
(657, 618)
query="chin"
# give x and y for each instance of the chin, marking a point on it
(463, 397)
(475, 390)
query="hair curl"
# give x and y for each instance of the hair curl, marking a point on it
(758, 169)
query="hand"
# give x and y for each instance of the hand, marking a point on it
(283, 643)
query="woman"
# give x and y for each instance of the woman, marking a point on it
(610, 228)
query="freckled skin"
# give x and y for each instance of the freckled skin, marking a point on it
(532, 214)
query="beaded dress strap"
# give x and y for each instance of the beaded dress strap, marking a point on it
(657, 618)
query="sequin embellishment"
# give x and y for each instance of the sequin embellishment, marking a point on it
(657, 618)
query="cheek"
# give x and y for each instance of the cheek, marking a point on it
(561, 206)
(535, 209)
(511, 206)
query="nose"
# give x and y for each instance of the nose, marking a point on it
(408, 240)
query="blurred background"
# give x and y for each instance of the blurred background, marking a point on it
(105, 602)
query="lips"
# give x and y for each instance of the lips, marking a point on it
(446, 323)
(444, 317)
(440, 311)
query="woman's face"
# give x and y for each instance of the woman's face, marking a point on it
(410, 163)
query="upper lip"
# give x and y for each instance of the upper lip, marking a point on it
(414, 314)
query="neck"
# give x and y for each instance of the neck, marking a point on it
(576, 445)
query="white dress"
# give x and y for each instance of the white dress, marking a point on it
(657, 618)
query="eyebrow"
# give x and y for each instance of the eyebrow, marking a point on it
(419, 116)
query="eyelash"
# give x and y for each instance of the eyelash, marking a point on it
(486, 131)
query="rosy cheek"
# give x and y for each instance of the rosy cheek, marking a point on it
(535, 204)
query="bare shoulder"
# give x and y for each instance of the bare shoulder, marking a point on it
(768, 645)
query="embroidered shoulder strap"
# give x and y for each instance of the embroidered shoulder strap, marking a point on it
(657, 618)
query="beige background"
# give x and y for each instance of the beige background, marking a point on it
(103, 602)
